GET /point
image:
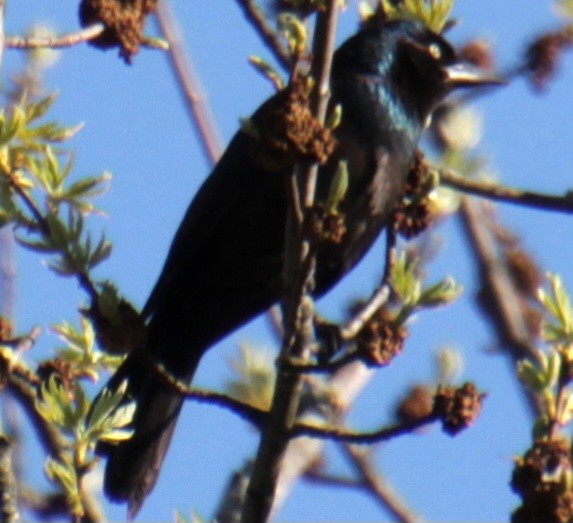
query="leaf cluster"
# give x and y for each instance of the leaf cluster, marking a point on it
(550, 373)
(31, 165)
(412, 295)
(83, 425)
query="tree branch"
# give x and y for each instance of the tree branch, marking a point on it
(269, 36)
(248, 412)
(70, 40)
(498, 192)
(503, 314)
(376, 485)
(297, 309)
(342, 434)
(8, 492)
(189, 85)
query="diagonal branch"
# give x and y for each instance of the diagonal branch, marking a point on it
(189, 85)
(342, 434)
(506, 319)
(494, 191)
(269, 36)
(378, 486)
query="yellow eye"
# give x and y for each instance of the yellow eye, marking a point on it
(435, 51)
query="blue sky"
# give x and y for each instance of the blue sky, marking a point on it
(136, 127)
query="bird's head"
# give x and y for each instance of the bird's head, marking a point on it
(414, 66)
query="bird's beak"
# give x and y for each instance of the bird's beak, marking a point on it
(463, 74)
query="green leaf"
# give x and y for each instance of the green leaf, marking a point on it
(565, 411)
(37, 110)
(338, 186)
(440, 293)
(89, 187)
(543, 374)
(294, 31)
(334, 118)
(63, 473)
(37, 246)
(434, 14)
(54, 405)
(404, 280)
(105, 404)
(530, 376)
(255, 376)
(267, 71)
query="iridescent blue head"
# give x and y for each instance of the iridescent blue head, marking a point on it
(403, 70)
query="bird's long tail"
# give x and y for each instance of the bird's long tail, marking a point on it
(133, 465)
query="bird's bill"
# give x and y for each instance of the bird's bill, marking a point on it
(466, 74)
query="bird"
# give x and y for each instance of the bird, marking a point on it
(225, 264)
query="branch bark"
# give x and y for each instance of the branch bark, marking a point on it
(297, 305)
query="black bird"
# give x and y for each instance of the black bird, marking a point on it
(225, 264)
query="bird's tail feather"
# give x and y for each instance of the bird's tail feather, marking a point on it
(133, 465)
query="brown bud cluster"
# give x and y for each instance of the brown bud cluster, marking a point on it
(380, 341)
(324, 226)
(477, 52)
(289, 133)
(539, 478)
(124, 21)
(416, 405)
(413, 214)
(458, 407)
(543, 55)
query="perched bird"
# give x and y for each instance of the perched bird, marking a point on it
(225, 264)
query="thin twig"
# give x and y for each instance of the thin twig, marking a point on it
(269, 36)
(330, 367)
(55, 42)
(331, 480)
(322, 52)
(41, 222)
(8, 492)
(372, 306)
(46, 507)
(493, 191)
(189, 85)
(349, 436)
(375, 484)
(505, 317)
(70, 40)
(244, 410)
(298, 314)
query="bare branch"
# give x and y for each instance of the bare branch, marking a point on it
(349, 436)
(365, 314)
(189, 85)
(506, 319)
(269, 36)
(297, 309)
(498, 192)
(69, 40)
(248, 412)
(375, 484)
(8, 495)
